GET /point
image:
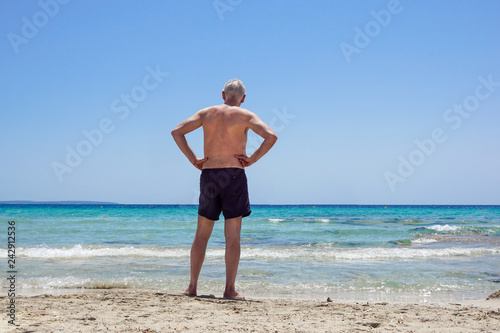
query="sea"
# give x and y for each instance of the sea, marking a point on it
(345, 252)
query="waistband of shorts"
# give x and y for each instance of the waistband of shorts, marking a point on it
(223, 169)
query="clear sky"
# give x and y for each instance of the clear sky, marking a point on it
(374, 102)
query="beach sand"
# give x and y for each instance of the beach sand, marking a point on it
(150, 311)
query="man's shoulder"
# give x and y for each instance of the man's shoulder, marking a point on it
(236, 110)
(212, 109)
(209, 109)
(241, 111)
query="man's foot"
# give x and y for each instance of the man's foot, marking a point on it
(189, 293)
(234, 295)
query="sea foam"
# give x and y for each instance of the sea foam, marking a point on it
(278, 252)
(79, 251)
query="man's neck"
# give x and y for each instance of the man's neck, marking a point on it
(231, 103)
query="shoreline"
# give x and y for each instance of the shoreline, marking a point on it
(127, 310)
(346, 297)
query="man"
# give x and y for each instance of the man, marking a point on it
(223, 183)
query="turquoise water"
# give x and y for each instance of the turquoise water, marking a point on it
(417, 253)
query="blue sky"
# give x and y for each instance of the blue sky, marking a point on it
(374, 102)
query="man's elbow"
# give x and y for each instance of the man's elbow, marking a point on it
(175, 132)
(273, 138)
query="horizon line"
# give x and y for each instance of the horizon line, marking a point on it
(109, 203)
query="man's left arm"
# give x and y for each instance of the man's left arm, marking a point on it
(179, 135)
(264, 131)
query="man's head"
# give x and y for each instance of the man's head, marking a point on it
(234, 92)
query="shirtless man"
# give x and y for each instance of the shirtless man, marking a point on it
(223, 183)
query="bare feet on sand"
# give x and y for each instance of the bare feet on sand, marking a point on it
(229, 295)
(234, 295)
(189, 293)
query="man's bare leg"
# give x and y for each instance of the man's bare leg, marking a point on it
(232, 231)
(198, 249)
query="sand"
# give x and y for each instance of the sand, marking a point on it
(150, 311)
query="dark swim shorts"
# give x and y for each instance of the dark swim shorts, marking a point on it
(223, 190)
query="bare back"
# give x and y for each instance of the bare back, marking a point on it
(225, 131)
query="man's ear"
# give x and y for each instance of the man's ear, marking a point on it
(243, 99)
(223, 95)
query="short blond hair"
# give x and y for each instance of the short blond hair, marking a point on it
(234, 88)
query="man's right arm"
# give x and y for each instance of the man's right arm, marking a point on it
(264, 131)
(179, 133)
